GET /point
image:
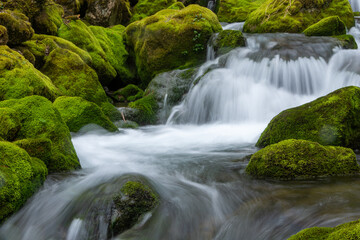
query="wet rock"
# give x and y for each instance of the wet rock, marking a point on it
(329, 26)
(347, 41)
(227, 40)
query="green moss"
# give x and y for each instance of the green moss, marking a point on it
(346, 231)
(48, 19)
(77, 113)
(9, 124)
(329, 120)
(40, 119)
(237, 10)
(40, 148)
(111, 112)
(327, 27)
(147, 108)
(4, 37)
(129, 93)
(145, 8)
(20, 176)
(177, 6)
(19, 78)
(18, 26)
(228, 40)
(135, 200)
(294, 159)
(347, 41)
(73, 76)
(296, 15)
(156, 45)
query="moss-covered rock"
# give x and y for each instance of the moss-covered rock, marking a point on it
(49, 18)
(155, 39)
(19, 78)
(129, 93)
(40, 148)
(295, 16)
(301, 159)
(347, 41)
(73, 76)
(145, 8)
(9, 124)
(77, 113)
(72, 7)
(227, 40)
(4, 37)
(346, 231)
(146, 110)
(177, 6)
(237, 10)
(20, 176)
(135, 200)
(327, 27)
(108, 12)
(18, 26)
(40, 119)
(41, 46)
(330, 120)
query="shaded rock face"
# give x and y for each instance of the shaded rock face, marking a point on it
(18, 26)
(108, 12)
(4, 37)
(301, 159)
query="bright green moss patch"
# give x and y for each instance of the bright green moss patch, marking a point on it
(48, 19)
(9, 124)
(329, 26)
(296, 15)
(19, 78)
(37, 148)
(145, 8)
(40, 119)
(18, 26)
(347, 41)
(20, 176)
(346, 231)
(330, 120)
(77, 113)
(228, 40)
(301, 159)
(147, 108)
(237, 10)
(156, 45)
(135, 200)
(73, 76)
(177, 6)
(129, 93)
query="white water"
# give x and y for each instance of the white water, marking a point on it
(197, 168)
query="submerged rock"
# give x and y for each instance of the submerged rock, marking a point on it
(135, 200)
(296, 16)
(39, 119)
(346, 231)
(301, 159)
(155, 39)
(236, 10)
(20, 176)
(330, 120)
(327, 27)
(18, 26)
(77, 113)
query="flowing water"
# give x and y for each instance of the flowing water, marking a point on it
(196, 161)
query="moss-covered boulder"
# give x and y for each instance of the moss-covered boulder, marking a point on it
(135, 200)
(155, 39)
(177, 6)
(145, 110)
(227, 40)
(20, 176)
(330, 120)
(129, 93)
(72, 7)
(77, 113)
(73, 76)
(108, 12)
(48, 19)
(236, 10)
(40, 148)
(346, 231)
(9, 124)
(4, 37)
(145, 8)
(39, 119)
(302, 159)
(105, 46)
(19, 78)
(40, 46)
(18, 26)
(295, 16)
(346, 41)
(327, 27)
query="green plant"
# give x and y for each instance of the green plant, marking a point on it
(198, 47)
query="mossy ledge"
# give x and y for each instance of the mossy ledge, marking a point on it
(301, 159)
(329, 26)
(330, 120)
